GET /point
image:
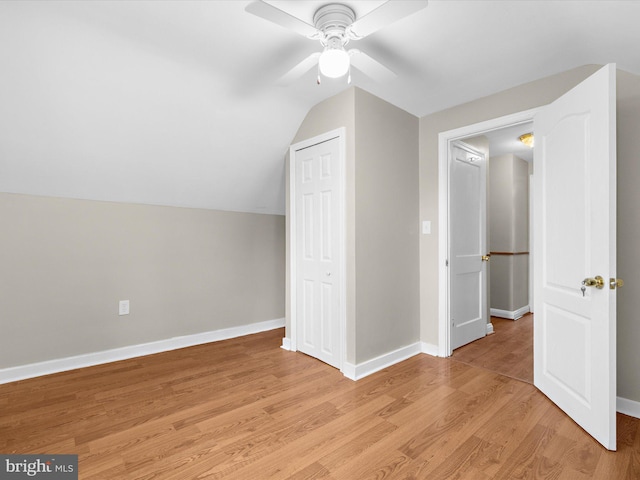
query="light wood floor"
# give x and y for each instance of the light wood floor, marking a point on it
(246, 409)
(508, 351)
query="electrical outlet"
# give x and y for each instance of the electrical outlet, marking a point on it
(123, 307)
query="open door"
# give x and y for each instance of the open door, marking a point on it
(468, 244)
(575, 254)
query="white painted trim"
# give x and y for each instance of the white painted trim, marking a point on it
(22, 372)
(628, 407)
(339, 133)
(361, 370)
(511, 315)
(444, 346)
(489, 328)
(429, 349)
(532, 205)
(286, 344)
(444, 140)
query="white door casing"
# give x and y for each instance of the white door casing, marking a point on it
(468, 244)
(575, 218)
(317, 247)
(444, 141)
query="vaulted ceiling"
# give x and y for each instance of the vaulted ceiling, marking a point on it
(178, 102)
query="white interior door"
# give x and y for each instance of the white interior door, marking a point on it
(574, 239)
(468, 244)
(318, 263)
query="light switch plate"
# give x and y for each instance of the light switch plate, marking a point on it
(123, 307)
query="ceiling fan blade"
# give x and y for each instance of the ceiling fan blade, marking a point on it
(384, 15)
(299, 70)
(370, 67)
(279, 17)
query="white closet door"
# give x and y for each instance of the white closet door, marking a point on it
(317, 211)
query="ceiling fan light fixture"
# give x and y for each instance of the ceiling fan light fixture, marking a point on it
(527, 139)
(334, 62)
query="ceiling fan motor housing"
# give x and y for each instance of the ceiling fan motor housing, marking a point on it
(332, 20)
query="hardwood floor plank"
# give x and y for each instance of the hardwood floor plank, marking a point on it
(462, 460)
(246, 409)
(332, 437)
(526, 462)
(508, 351)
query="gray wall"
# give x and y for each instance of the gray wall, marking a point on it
(628, 235)
(382, 219)
(530, 95)
(66, 263)
(509, 232)
(386, 195)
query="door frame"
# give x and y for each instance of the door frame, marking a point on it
(444, 147)
(290, 343)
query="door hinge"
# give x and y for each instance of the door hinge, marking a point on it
(446, 263)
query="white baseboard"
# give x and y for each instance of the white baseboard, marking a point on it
(429, 349)
(22, 372)
(286, 343)
(361, 370)
(489, 328)
(511, 315)
(628, 407)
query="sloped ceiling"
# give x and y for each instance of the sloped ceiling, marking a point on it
(177, 102)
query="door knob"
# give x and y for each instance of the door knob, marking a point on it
(485, 258)
(615, 283)
(597, 282)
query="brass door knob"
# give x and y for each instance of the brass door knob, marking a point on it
(485, 258)
(597, 282)
(615, 283)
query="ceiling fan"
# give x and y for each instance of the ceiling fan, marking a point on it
(334, 25)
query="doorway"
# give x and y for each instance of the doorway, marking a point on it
(509, 350)
(503, 124)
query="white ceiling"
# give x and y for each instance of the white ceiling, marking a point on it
(506, 140)
(177, 102)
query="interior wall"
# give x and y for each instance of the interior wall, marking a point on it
(387, 227)
(67, 263)
(628, 255)
(381, 216)
(509, 232)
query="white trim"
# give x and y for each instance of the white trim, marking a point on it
(286, 344)
(361, 370)
(339, 133)
(429, 349)
(511, 315)
(444, 347)
(532, 204)
(489, 328)
(58, 365)
(628, 407)
(444, 139)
